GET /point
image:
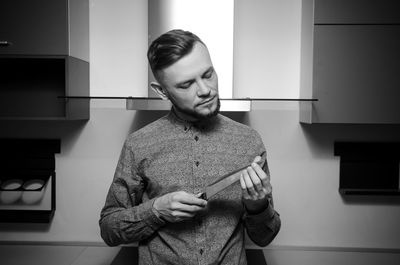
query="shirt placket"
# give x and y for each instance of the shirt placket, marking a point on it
(198, 184)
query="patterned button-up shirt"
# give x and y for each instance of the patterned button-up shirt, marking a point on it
(171, 155)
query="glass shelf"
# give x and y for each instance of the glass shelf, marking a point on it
(151, 103)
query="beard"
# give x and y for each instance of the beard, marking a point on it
(196, 115)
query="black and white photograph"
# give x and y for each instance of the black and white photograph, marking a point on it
(199, 132)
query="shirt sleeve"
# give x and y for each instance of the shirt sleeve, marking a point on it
(124, 217)
(263, 227)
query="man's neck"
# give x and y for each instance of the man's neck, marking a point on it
(184, 116)
(197, 122)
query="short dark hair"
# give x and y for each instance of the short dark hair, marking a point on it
(169, 48)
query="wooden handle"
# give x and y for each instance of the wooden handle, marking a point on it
(203, 196)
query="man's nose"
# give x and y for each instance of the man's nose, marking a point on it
(202, 88)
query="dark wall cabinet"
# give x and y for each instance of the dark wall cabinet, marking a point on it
(350, 61)
(44, 57)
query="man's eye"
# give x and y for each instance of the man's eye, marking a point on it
(208, 75)
(184, 86)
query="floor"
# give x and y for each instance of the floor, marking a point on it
(83, 255)
(103, 255)
(60, 255)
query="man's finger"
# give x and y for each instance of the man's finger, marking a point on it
(261, 174)
(249, 183)
(190, 199)
(181, 215)
(244, 188)
(255, 179)
(187, 208)
(257, 159)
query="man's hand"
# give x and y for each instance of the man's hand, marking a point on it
(178, 206)
(256, 187)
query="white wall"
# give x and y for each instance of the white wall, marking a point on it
(118, 46)
(304, 170)
(267, 48)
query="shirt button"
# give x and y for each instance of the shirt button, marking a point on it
(201, 251)
(196, 138)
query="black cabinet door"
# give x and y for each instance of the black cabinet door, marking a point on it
(356, 74)
(34, 27)
(357, 12)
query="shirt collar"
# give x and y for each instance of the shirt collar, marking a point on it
(188, 125)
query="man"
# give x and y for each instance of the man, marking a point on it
(155, 199)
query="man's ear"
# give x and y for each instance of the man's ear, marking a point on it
(159, 90)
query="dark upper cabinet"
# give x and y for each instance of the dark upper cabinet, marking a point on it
(45, 27)
(356, 11)
(44, 57)
(350, 61)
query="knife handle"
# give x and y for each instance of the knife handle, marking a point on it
(203, 196)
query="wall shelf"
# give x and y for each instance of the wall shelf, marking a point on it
(28, 180)
(368, 168)
(29, 206)
(242, 105)
(30, 88)
(157, 104)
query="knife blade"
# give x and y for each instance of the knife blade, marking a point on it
(224, 182)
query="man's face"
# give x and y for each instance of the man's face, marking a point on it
(191, 84)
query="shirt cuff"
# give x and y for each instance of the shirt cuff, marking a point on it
(255, 219)
(148, 215)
